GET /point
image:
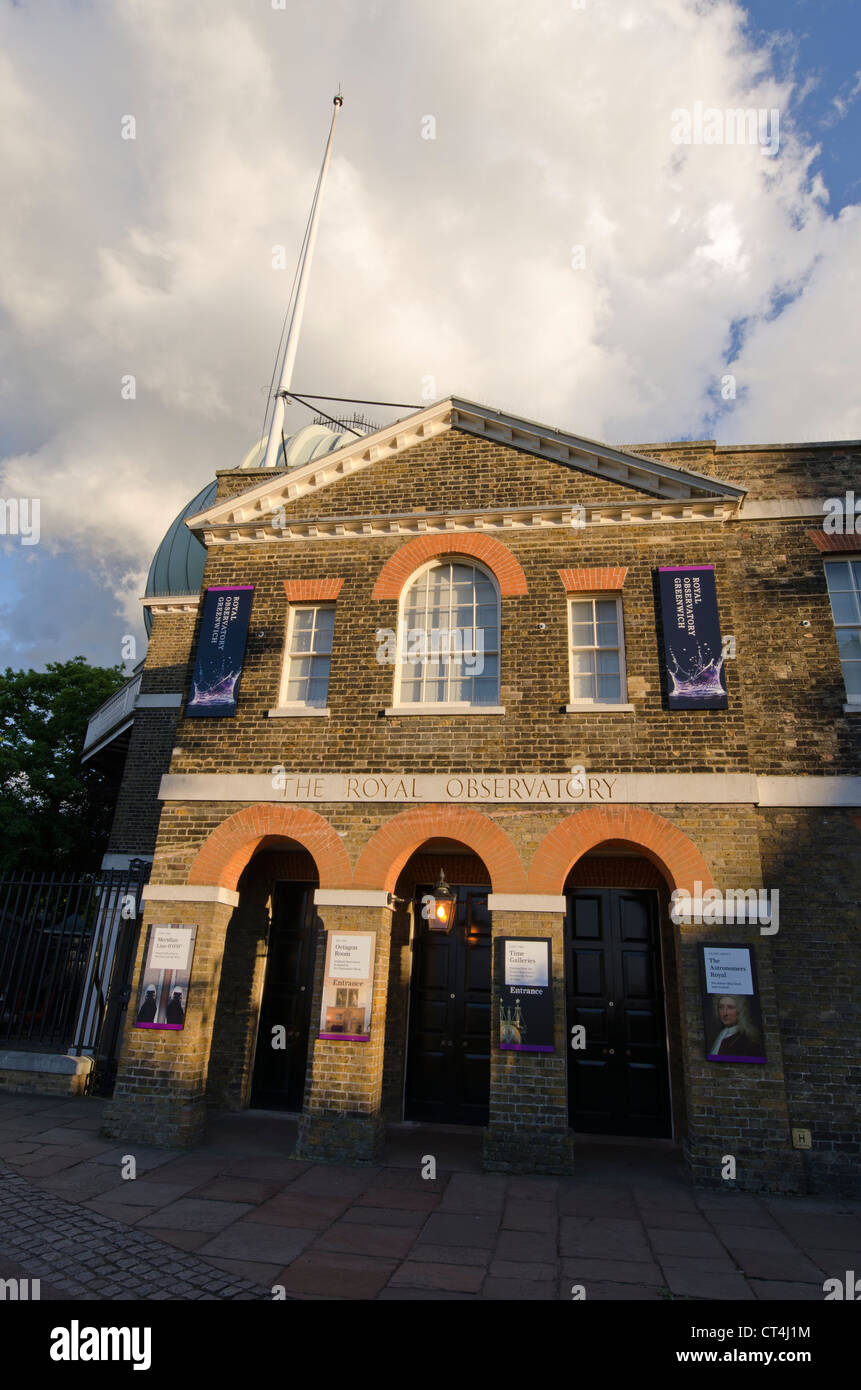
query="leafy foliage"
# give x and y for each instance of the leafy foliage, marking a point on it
(55, 811)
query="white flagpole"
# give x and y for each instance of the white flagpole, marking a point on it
(292, 342)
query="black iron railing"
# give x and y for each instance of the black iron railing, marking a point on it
(66, 952)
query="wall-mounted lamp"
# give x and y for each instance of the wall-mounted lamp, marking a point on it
(441, 906)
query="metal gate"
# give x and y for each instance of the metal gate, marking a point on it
(67, 949)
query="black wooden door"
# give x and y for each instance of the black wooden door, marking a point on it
(279, 1073)
(448, 1059)
(619, 1082)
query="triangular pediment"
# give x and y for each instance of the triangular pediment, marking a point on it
(628, 478)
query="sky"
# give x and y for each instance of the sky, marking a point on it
(512, 215)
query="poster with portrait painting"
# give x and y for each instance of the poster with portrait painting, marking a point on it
(731, 1014)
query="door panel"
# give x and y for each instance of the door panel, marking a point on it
(619, 1083)
(279, 1075)
(448, 1055)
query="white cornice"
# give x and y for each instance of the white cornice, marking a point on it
(503, 519)
(782, 509)
(249, 512)
(173, 603)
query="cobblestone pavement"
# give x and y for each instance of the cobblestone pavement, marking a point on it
(237, 1215)
(81, 1255)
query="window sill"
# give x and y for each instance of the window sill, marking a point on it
(600, 709)
(431, 710)
(852, 709)
(297, 712)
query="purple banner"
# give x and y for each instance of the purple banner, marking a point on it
(693, 649)
(220, 650)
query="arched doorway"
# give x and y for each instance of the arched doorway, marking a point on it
(621, 992)
(260, 1037)
(439, 1004)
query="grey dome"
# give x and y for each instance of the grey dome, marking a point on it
(177, 566)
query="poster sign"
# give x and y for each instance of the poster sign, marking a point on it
(731, 1012)
(693, 651)
(220, 650)
(526, 995)
(163, 994)
(348, 986)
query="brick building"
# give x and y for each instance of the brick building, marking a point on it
(542, 768)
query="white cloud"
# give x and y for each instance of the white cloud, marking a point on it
(448, 257)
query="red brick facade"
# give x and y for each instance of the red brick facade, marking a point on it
(785, 720)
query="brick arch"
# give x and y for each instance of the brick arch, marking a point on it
(224, 855)
(390, 847)
(668, 848)
(405, 561)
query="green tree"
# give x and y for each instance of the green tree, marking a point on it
(55, 811)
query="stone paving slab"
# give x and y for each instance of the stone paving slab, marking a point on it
(673, 1242)
(405, 1295)
(528, 1246)
(460, 1230)
(140, 1193)
(595, 1200)
(773, 1264)
(240, 1211)
(603, 1236)
(522, 1269)
(391, 1242)
(197, 1214)
(837, 1232)
(699, 1278)
(303, 1209)
(517, 1290)
(530, 1216)
(832, 1260)
(606, 1291)
(146, 1158)
(420, 1274)
(585, 1271)
(387, 1216)
(117, 1211)
(665, 1219)
(332, 1180)
(407, 1201)
(782, 1292)
(184, 1240)
(759, 1237)
(452, 1254)
(337, 1275)
(230, 1189)
(269, 1244)
(474, 1195)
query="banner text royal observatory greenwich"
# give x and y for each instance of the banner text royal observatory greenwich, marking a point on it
(220, 650)
(692, 639)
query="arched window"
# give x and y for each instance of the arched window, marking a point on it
(448, 637)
